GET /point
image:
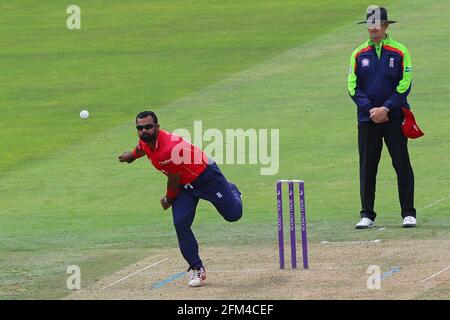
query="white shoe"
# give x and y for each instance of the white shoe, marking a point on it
(409, 222)
(197, 277)
(365, 223)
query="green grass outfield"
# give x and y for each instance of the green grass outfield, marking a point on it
(65, 199)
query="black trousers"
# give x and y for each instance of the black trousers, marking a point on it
(370, 145)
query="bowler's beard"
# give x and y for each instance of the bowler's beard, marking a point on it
(148, 138)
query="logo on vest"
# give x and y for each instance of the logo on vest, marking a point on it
(391, 62)
(365, 62)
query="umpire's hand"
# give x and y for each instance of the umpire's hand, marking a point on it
(379, 115)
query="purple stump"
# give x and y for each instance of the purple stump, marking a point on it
(301, 188)
(280, 225)
(292, 225)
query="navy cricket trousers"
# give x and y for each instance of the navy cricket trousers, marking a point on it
(212, 186)
(370, 145)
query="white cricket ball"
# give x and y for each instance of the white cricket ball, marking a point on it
(84, 114)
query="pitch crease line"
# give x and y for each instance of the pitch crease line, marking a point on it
(434, 275)
(434, 203)
(134, 273)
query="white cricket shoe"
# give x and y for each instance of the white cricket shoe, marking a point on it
(409, 222)
(365, 223)
(197, 277)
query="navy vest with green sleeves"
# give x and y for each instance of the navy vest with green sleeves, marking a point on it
(380, 76)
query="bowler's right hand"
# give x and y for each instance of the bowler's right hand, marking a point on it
(127, 157)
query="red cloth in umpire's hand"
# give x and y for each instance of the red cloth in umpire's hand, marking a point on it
(409, 125)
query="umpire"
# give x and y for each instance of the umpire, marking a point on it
(379, 82)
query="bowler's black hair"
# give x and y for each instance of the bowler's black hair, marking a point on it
(145, 114)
